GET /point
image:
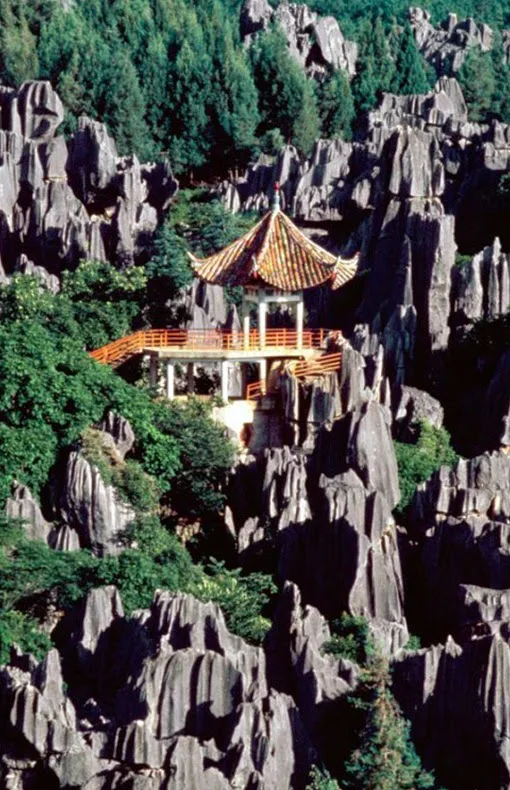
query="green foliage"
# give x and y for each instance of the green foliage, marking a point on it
(417, 462)
(351, 639)
(385, 757)
(336, 106)
(410, 72)
(375, 69)
(478, 83)
(18, 629)
(413, 643)
(205, 457)
(286, 98)
(321, 780)
(196, 224)
(242, 598)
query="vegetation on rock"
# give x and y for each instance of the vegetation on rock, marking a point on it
(418, 461)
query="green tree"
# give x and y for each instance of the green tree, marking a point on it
(501, 97)
(18, 56)
(286, 98)
(336, 105)
(385, 757)
(375, 69)
(410, 75)
(477, 80)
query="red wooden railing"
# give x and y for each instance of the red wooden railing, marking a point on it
(207, 340)
(256, 390)
(327, 363)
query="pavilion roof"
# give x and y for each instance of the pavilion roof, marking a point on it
(274, 252)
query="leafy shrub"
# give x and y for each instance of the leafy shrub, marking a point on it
(17, 628)
(350, 639)
(417, 462)
(321, 780)
(241, 598)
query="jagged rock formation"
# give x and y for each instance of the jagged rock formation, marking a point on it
(460, 519)
(316, 42)
(157, 719)
(328, 512)
(456, 698)
(445, 47)
(92, 508)
(62, 202)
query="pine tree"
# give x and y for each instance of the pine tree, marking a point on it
(336, 105)
(189, 79)
(286, 97)
(477, 80)
(306, 127)
(501, 99)
(410, 75)
(385, 758)
(375, 69)
(233, 96)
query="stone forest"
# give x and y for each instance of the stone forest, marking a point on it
(254, 395)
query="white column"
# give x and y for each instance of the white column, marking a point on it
(153, 371)
(263, 370)
(262, 318)
(170, 380)
(300, 320)
(224, 380)
(246, 324)
(191, 378)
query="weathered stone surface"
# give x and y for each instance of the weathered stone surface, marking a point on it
(21, 504)
(446, 46)
(121, 432)
(481, 287)
(461, 520)
(36, 111)
(93, 508)
(315, 42)
(414, 406)
(456, 699)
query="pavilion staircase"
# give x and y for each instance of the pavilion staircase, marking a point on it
(303, 369)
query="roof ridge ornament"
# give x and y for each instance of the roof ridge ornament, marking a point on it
(276, 197)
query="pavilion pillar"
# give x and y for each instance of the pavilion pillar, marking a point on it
(246, 324)
(300, 321)
(224, 380)
(262, 318)
(263, 370)
(170, 380)
(191, 378)
(153, 371)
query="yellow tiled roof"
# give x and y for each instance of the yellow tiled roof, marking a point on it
(277, 253)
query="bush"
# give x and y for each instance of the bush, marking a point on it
(18, 629)
(242, 599)
(417, 462)
(351, 639)
(321, 780)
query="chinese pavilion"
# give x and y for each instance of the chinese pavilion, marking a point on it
(274, 263)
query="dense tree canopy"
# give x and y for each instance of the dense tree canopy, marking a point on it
(172, 76)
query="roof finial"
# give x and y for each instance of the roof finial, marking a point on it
(276, 197)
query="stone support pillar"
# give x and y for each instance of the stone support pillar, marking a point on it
(224, 380)
(300, 321)
(153, 371)
(263, 370)
(170, 380)
(246, 325)
(191, 378)
(262, 319)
